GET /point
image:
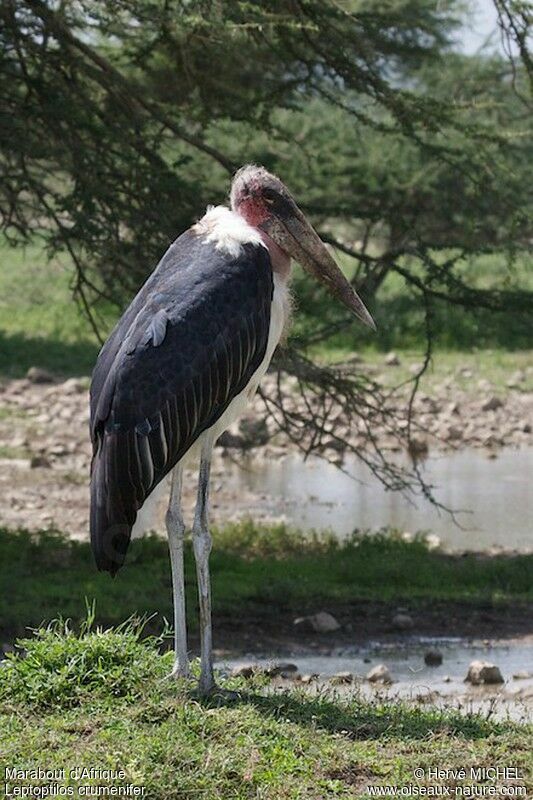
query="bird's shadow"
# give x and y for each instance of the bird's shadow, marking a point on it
(355, 718)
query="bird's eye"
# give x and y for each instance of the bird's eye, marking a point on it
(269, 196)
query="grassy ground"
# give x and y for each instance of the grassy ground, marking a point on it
(40, 322)
(258, 573)
(98, 701)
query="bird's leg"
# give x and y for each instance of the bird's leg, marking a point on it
(202, 547)
(176, 536)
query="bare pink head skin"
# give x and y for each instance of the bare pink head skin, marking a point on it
(266, 204)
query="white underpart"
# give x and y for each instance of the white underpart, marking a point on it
(230, 232)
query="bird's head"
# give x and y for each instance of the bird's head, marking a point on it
(266, 204)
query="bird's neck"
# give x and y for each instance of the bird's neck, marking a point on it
(281, 262)
(252, 214)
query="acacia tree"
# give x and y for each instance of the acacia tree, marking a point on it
(122, 120)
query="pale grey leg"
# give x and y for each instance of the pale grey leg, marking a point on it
(202, 547)
(176, 536)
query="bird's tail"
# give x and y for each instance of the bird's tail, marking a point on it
(110, 523)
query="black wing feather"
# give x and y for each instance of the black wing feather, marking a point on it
(187, 345)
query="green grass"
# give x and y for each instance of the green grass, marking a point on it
(41, 324)
(98, 700)
(256, 571)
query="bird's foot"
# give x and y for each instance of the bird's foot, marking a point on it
(209, 689)
(179, 672)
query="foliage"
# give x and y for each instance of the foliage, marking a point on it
(113, 144)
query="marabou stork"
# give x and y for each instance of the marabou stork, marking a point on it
(182, 363)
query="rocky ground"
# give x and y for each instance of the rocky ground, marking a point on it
(45, 452)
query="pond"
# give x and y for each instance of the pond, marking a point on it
(494, 494)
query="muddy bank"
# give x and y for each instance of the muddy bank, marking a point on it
(271, 629)
(45, 452)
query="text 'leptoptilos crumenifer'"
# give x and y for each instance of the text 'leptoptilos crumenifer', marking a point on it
(181, 365)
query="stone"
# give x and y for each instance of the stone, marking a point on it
(340, 678)
(231, 441)
(337, 445)
(432, 541)
(6, 648)
(430, 404)
(379, 674)
(324, 622)
(491, 403)
(491, 440)
(58, 450)
(39, 461)
(73, 386)
(433, 658)
(480, 672)
(244, 670)
(282, 669)
(402, 622)
(517, 378)
(392, 360)
(303, 624)
(39, 375)
(309, 678)
(525, 426)
(523, 675)
(465, 372)
(417, 446)
(254, 431)
(15, 463)
(452, 433)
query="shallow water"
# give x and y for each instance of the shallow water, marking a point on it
(414, 680)
(496, 495)
(406, 661)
